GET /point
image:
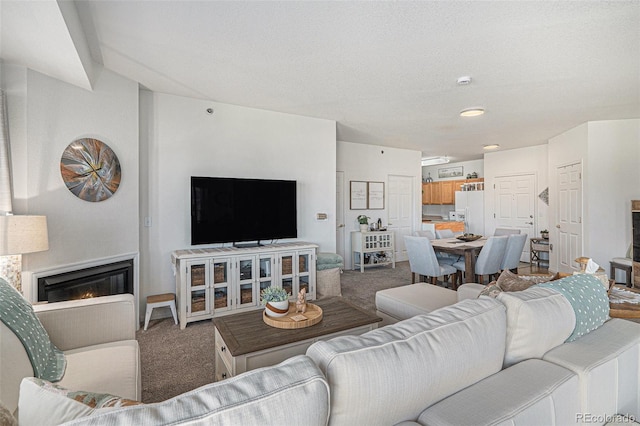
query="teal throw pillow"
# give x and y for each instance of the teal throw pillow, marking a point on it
(17, 314)
(589, 300)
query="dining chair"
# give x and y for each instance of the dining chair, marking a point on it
(427, 234)
(444, 233)
(513, 252)
(442, 257)
(489, 259)
(423, 261)
(505, 231)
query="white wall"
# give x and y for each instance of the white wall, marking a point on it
(530, 160)
(468, 167)
(361, 162)
(610, 153)
(612, 181)
(45, 115)
(178, 139)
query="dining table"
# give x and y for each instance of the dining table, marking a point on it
(468, 249)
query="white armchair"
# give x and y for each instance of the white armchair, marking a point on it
(97, 337)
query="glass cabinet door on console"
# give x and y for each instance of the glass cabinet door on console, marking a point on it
(265, 273)
(246, 288)
(221, 288)
(304, 272)
(198, 288)
(287, 273)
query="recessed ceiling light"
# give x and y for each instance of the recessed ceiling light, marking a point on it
(471, 112)
(491, 146)
(430, 161)
(463, 81)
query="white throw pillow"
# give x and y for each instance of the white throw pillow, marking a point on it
(42, 403)
(538, 320)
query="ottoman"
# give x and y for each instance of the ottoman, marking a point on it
(328, 269)
(399, 303)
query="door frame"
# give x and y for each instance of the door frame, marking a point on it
(399, 256)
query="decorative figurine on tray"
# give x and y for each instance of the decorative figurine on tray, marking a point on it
(301, 303)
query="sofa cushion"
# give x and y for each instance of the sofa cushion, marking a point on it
(43, 402)
(606, 362)
(112, 368)
(391, 374)
(293, 392)
(538, 319)
(17, 314)
(532, 392)
(589, 300)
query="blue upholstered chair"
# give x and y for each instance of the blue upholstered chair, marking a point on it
(489, 259)
(513, 252)
(423, 261)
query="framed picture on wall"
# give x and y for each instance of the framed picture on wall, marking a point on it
(375, 195)
(450, 172)
(358, 195)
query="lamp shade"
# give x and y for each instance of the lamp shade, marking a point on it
(23, 234)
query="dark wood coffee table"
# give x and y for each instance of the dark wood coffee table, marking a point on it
(244, 342)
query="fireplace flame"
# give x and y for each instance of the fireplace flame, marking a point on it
(88, 295)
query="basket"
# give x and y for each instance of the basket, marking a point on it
(197, 305)
(220, 301)
(197, 276)
(219, 273)
(302, 264)
(246, 295)
(287, 265)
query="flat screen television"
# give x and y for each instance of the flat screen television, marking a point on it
(231, 210)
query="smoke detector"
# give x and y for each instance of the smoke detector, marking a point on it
(463, 81)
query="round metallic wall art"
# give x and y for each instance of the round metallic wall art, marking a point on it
(90, 169)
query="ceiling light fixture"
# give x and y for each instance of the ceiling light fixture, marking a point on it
(491, 146)
(472, 112)
(431, 161)
(463, 81)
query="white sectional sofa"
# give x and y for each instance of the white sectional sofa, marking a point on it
(465, 364)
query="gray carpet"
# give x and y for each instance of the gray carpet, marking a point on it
(175, 361)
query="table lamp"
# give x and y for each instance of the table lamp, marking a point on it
(20, 235)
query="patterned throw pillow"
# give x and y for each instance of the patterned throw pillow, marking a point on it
(17, 314)
(42, 402)
(508, 281)
(589, 300)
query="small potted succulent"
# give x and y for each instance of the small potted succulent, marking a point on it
(364, 222)
(544, 234)
(276, 301)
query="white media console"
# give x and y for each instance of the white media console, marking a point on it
(219, 281)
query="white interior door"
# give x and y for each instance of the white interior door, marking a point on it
(569, 217)
(340, 214)
(515, 199)
(400, 211)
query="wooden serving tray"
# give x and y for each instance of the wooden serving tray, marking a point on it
(313, 315)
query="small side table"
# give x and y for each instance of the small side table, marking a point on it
(537, 247)
(625, 310)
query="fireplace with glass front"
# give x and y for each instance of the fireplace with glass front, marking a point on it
(102, 280)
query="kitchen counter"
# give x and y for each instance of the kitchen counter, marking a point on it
(454, 225)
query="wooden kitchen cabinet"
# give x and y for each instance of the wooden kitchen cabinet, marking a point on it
(444, 191)
(454, 226)
(448, 192)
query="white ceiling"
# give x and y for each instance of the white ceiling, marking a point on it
(385, 71)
